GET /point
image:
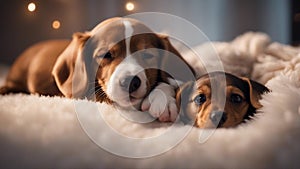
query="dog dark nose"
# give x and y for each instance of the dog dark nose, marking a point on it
(131, 83)
(218, 118)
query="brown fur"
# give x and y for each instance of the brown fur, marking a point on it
(213, 86)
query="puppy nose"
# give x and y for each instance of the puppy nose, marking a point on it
(131, 83)
(218, 118)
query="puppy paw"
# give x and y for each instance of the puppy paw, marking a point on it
(161, 103)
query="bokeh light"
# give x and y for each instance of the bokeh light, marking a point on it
(129, 6)
(56, 24)
(31, 7)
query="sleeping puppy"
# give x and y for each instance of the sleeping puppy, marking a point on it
(118, 62)
(219, 99)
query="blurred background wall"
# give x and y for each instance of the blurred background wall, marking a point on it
(220, 20)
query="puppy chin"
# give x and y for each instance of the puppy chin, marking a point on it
(207, 125)
(125, 100)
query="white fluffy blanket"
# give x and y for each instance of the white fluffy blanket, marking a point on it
(46, 132)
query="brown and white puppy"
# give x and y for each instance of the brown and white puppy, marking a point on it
(219, 99)
(119, 61)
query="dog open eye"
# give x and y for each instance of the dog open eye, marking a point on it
(107, 55)
(104, 58)
(200, 99)
(236, 98)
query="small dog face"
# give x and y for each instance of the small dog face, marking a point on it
(219, 100)
(123, 59)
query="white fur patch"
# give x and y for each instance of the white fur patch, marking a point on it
(128, 67)
(161, 103)
(128, 34)
(175, 83)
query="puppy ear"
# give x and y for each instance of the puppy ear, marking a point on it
(168, 46)
(173, 63)
(70, 67)
(255, 91)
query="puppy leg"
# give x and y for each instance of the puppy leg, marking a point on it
(6, 90)
(161, 103)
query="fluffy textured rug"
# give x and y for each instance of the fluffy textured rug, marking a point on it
(53, 132)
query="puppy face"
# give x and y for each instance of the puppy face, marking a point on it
(219, 100)
(120, 58)
(123, 73)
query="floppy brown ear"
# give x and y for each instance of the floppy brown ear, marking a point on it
(173, 63)
(255, 91)
(168, 46)
(70, 67)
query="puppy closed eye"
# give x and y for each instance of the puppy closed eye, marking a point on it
(200, 99)
(236, 98)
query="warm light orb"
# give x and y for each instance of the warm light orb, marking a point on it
(56, 24)
(31, 7)
(129, 6)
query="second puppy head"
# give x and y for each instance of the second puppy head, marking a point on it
(219, 99)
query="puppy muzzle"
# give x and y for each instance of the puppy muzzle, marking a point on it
(130, 83)
(218, 118)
